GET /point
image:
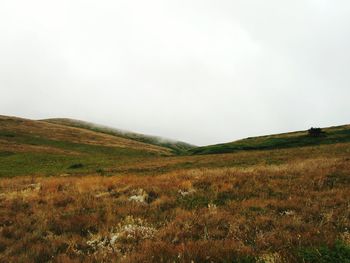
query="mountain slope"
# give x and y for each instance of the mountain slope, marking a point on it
(331, 135)
(28, 147)
(177, 147)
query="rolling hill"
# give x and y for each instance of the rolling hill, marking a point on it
(70, 194)
(176, 147)
(331, 135)
(28, 146)
(65, 146)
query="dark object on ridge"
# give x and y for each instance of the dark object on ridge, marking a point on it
(315, 132)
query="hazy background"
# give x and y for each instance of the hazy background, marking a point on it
(195, 70)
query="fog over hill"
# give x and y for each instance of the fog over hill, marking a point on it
(175, 146)
(198, 71)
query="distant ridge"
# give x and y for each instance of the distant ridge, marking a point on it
(336, 134)
(65, 146)
(176, 147)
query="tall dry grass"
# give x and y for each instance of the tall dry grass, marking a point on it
(260, 212)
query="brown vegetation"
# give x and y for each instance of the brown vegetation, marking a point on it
(76, 135)
(261, 212)
(104, 201)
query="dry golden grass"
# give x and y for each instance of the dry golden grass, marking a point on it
(254, 212)
(14, 147)
(70, 134)
(244, 159)
(133, 206)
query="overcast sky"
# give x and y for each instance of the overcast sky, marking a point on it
(196, 70)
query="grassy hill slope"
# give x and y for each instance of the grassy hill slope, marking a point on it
(280, 141)
(177, 147)
(43, 148)
(281, 205)
(37, 147)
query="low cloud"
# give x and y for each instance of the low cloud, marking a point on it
(199, 71)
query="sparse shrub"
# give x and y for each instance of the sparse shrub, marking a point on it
(152, 195)
(315, 132)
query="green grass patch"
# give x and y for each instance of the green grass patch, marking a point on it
(93, 157)
(193, 201)
(339, 253)
(276, 142)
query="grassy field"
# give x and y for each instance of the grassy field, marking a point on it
(175, 146)
(331, 135)
(40, 148)
(96, 197)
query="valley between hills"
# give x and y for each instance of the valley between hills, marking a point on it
(74, 191)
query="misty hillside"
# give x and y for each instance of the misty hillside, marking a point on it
(48, 148)
(177, 147)
(331, 135)
(28, 146)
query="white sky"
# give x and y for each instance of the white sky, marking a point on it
(196, 70)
